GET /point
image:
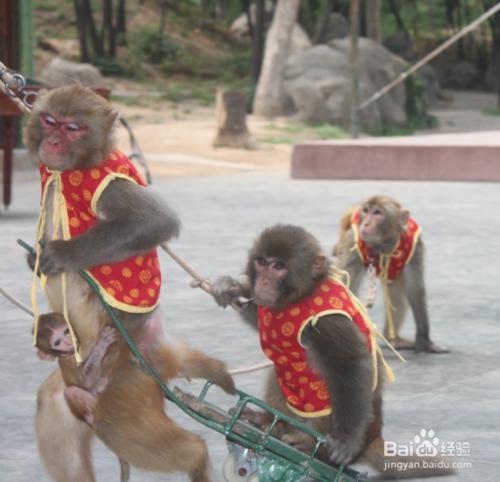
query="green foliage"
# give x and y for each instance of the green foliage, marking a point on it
(152, 46)
(491, 111)
(330, 131)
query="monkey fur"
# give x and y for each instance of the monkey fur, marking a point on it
(381, 222)
(70, 129)
(285, 266)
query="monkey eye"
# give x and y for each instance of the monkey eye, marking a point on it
(377, 212)
(66, 331)
(48, 120)
(73, 127)
(365, 210)
(279, 265)
(57, 342)
(261, 261)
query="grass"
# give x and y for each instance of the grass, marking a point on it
(293, 132)
(491, 111)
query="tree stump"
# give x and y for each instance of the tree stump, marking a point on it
(232, 128)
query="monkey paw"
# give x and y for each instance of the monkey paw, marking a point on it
(109, 335)
(226, 290)
(342, 451)
(56, 258)
(300, 441)
(422, 345)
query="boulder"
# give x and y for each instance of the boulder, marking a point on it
(460, 75)
(402, 46)
(336, 27)
(62, 72)
(318, 84)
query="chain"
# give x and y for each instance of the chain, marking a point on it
(372, 285)
(14, 86)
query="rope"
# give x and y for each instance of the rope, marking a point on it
(429, 57)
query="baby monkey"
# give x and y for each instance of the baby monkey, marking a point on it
(54, 339)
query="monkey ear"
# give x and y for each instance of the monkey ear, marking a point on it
(404, 215)
(320, 265)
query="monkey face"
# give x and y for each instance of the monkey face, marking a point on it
(270, 273)
(371, 224)
(59, 133)
(381, 221)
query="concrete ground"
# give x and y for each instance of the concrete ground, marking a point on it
(456, 395)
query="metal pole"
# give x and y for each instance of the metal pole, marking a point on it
(354, 62)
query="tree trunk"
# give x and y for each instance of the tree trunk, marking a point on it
(82, 31)
(258, 33)
(394, 7)
(88, 18)
(232, 128)
(121, 20)
(373, 20)
(108, 29)
(270, 96)
(322, 22)
(495, 54)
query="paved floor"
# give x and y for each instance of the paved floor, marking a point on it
(456, 395)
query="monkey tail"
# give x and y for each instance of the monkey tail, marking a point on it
(194, 364)
(404, 467)
(345, 227)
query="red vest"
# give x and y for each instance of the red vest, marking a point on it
(280, 331)
(131, 285)
(399, 256)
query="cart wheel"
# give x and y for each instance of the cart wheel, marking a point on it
(230, 474)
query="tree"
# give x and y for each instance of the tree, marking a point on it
(270, 95)
(99, 43)
(374, 20)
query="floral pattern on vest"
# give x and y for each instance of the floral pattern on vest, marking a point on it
(388, 266)
(280, 332)
(131, 285)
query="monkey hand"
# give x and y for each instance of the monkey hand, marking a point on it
(227, 290)
(343, 450)
(42, 355)
(58, 256)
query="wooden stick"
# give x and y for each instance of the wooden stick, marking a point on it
(15, 301)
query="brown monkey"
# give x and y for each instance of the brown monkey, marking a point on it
(54, 339)
(96, 215)
(320, 341)
(382, 234)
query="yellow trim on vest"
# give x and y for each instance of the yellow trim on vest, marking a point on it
(320, 413)
(59, 221)
(118, 304)
(104, 184)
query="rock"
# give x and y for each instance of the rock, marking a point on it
(336, 27)
(300, 39)
(460, 75)
(431, 88)
(399, 44)
(62, 72)
(318, 84)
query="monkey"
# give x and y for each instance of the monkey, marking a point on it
(320, 341)
(53, 338)
(382, 234)
(97, 215)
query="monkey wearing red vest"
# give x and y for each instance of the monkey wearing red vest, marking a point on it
(382, 234)
(321, 344)
(97, 215)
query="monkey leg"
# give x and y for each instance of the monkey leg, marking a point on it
(130, 419)
(399, 303)
(64, 442)
(81, 402)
